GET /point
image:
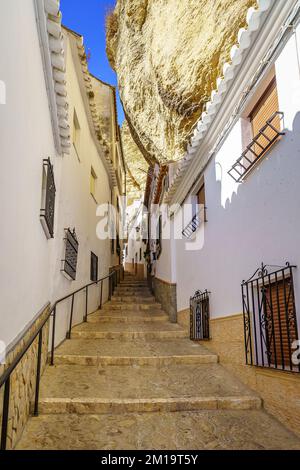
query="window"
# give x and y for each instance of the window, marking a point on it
(69, 267)
(140, 254)
(270, 319)
(199, 316)
(159, 238)
(93, 181)
(277, 306)
(264, 109)
(201, 200)
(264, 125)
(48, 199)
(198, 213)
(76, 133)
(94, 267)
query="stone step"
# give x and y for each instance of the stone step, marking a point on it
(131, 306)
(133, 298)
(130, 291)
(202, 430)
(128, 317)
(117, 389)
(136, 352)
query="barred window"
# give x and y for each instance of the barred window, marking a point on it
(48, 199)
(71, 255)
(94, 267)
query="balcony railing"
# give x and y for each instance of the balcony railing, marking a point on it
(49, 191)
(70, 262)
(270, 320)
(261, 143)
(194, 224)
(199, 316)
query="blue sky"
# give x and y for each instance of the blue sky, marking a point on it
(87, 17)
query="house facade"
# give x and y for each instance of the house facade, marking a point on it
(230, 228)
(62, 151)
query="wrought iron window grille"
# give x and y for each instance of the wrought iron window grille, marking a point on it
(94, 267)
(258, 147)
(199, 316)
(69, 264)
(270, 320)
(48, 199)
(195, 223)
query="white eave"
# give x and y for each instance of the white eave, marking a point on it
(93, 113)
(246, 56)
(50, 31)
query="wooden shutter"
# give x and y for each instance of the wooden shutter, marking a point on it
(201, 200)
(281, 331)
(264, 109)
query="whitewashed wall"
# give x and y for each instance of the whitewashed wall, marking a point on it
(77, 208)
(29, 263)
(255, 221)
(25, 139)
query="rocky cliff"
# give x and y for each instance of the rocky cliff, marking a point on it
(137, 166)
(168, 55)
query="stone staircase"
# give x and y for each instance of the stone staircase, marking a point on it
(129, 379)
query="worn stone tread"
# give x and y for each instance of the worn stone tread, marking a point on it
(202, 430)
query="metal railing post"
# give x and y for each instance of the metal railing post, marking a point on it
(53, 337)
(109, 287)
(86, 303)
(38, 374)
(71, 318)
(101, 292)
(5, 414)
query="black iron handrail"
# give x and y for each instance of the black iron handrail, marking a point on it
(244, 164)
(114, 278)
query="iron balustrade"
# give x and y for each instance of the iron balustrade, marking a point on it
(194, 224)
(47, 212)
(113, 279)
(270, 320)
(71, 254)
(199, 316)
(260, 144)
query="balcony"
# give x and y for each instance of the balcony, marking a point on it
(261, 143)
(194, 224)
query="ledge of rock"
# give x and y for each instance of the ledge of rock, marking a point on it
(168, 55)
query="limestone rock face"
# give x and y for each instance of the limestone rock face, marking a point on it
(168, 55)
(137, 166)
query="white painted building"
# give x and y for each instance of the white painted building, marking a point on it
(254, 220)
(50, 113)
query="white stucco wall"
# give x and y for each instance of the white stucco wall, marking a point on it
(255, 221)
(25, 139)
(29, 263)
(77, 208)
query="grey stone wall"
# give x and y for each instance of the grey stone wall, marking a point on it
(23, 379)
(166, 295)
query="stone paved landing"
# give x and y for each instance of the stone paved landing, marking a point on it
(202, 430)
